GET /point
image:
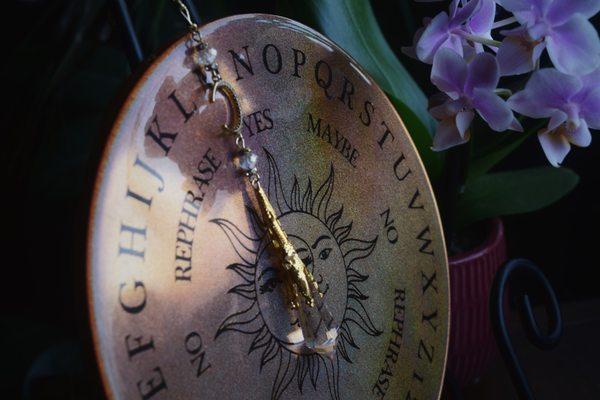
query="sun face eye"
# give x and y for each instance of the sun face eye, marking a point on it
(305, 256)
(269, 285)
(324, 254)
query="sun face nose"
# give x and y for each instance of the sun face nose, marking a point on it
(323, 286)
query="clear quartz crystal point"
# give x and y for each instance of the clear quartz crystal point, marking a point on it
(319, 328)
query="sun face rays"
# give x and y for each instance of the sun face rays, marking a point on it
(327, 246)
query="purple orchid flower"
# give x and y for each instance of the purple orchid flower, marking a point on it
(411, 51)
(446, 31)
(468, 88)
(482, 21)
(560, 26)
(571, 103)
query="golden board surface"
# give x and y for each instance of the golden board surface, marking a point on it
(184, 302)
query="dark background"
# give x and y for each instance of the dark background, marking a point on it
(63, 70)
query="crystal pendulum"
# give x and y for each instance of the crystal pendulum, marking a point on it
(318, 326)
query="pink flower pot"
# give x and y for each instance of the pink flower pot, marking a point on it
(472, 345)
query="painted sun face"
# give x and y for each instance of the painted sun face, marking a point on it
(332, 254)
(319, 251)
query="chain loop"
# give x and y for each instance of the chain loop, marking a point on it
(239, 141)
(192, 26)
(254, 178)
(183, 10)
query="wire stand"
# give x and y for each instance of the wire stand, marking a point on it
(524, 277)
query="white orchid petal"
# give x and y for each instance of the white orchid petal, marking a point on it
(555, 146)
(447, 135)
(581, 136)
(557, 118)
(463, 121)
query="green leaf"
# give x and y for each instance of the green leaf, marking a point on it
(489, 156)
(513, 192)
(483, 164)
(353, 26)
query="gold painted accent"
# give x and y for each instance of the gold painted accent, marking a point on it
(228, 91)
(295, 270)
